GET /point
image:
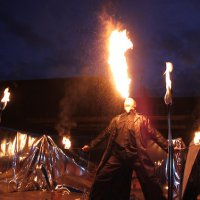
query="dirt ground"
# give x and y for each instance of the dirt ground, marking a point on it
(40, 195)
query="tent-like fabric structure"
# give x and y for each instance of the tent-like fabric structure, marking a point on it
(191, 177)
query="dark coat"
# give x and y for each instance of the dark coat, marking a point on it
(143, 132)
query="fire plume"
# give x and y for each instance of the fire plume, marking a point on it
(168, 95)
(119, 43)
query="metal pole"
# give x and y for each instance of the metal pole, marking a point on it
(170, 157)
(2, 107)
(0, 114)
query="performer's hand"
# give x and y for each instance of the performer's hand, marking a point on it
(86, 148)
(178, 145)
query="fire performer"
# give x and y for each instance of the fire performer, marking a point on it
(126, 151)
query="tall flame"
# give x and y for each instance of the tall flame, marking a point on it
(168, 95)
(119, 43)
(197, 138)
(6, 96)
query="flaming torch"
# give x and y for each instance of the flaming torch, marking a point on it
(66, 142)
(197, 138)
(4, 101)
(168, 102)
(119, 43)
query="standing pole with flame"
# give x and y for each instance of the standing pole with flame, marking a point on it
(4, 101)
(168, 102)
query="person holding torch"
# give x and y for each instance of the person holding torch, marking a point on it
(127, 136)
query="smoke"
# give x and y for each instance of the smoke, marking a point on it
(65, 123)
(73, 103)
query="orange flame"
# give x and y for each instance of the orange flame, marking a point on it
(10, 147)
(31, 140)
(197, 138)
(6, 96)
(20, 141)
(119, 43)
(7, 148)
(3, 147)
(67, 143)
(168, 95)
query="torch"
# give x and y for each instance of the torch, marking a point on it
(66, 142)
(4, 101)
(168, 102)
(197, 138)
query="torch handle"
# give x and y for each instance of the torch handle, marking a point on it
(170, 158)
(0, 114)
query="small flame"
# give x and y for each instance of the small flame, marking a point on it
(3, 147)
(6, 96)
(10, 147)
(21, 141)
(35, 179)
(7, 148)
(119, 43)
(67, 143)
(31, 140)
(197, 138)
(168, 95)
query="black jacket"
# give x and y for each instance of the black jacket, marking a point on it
(143, 131)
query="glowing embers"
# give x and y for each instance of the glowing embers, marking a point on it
(119, 43)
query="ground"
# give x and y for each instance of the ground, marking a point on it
(42, 195)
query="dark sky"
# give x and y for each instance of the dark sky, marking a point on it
(65, 38)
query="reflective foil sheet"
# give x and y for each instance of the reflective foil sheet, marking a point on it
(29, 163)
(161, 168)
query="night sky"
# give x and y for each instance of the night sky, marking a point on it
(59, 39)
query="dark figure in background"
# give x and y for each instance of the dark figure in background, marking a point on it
(127, 135)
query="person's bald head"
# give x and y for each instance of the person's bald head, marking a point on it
(129, 104)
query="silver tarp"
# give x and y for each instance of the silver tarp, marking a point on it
(160, 159)
(28, 163)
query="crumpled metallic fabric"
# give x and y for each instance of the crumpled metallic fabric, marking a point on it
(161, 169)
(28, 163)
